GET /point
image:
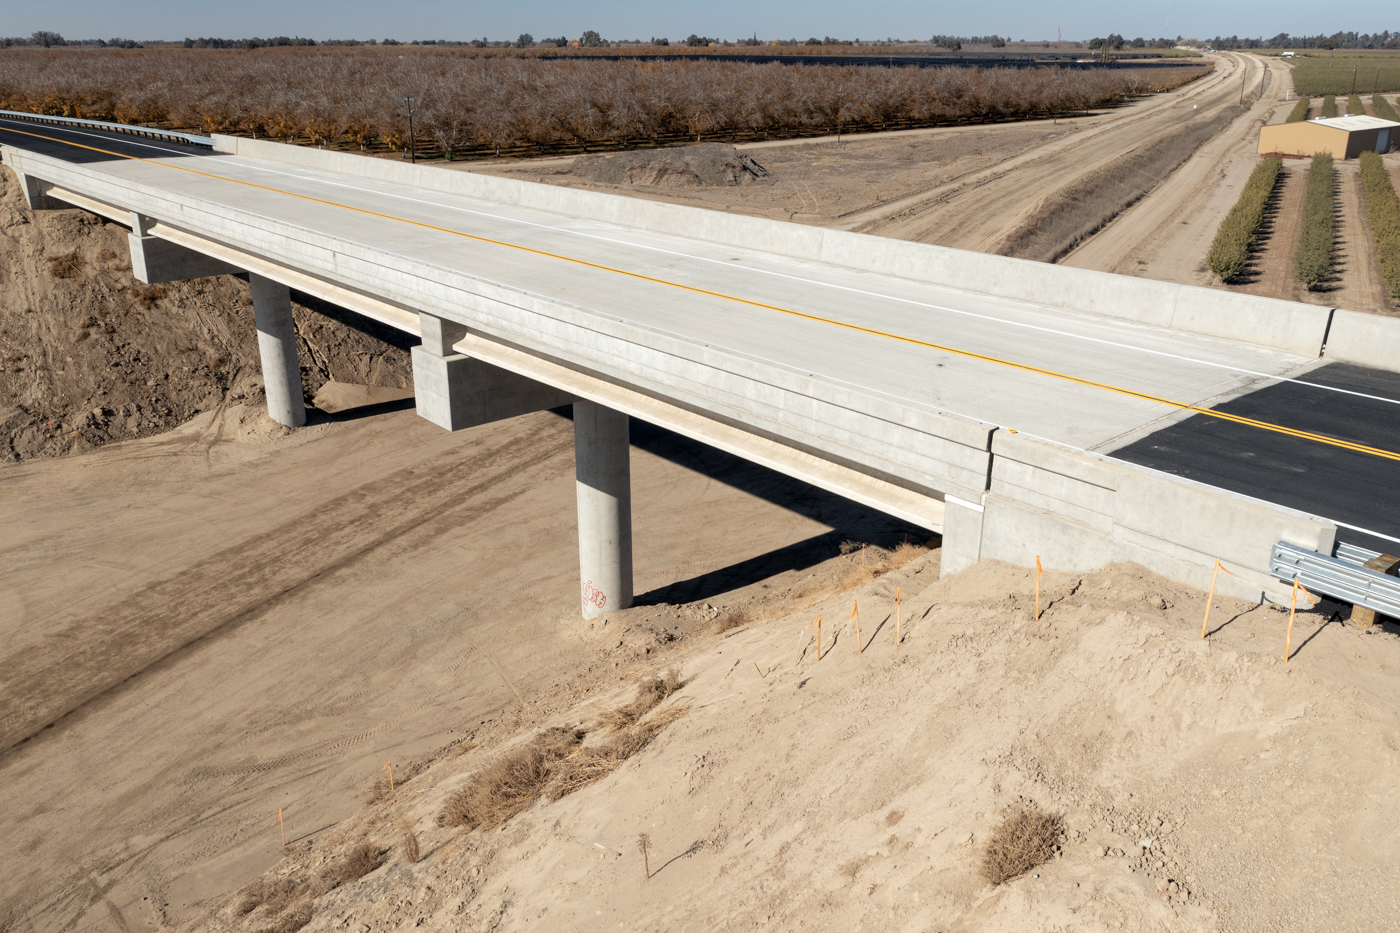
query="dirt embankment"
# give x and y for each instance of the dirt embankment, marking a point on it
(89, 355)
(1198, 784)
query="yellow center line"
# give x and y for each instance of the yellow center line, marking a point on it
(913, 341)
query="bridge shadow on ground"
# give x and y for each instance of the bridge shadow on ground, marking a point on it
(845, 519)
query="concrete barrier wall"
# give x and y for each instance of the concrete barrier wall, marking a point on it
(1364, 339)
(1080, 511)
(1282, 325)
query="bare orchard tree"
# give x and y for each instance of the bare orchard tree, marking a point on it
(355, 98)
(447, 113)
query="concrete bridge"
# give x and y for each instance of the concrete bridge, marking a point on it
(980, 397)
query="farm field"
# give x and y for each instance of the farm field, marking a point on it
(479, 107)
(1316, 73)
(1355, 282)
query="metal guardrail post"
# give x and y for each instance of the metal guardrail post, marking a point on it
(1354, 576)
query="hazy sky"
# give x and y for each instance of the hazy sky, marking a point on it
(728, 19)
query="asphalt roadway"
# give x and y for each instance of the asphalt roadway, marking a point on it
(1002, 362)
(1361, 490)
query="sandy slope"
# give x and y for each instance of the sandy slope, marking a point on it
(202, 627)
(1205, 785)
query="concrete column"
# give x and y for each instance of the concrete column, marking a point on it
(277, 342)
(602, 467)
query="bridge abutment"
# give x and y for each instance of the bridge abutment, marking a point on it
(277, 344)
(602, 464)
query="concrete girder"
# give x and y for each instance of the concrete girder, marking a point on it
(962, 535)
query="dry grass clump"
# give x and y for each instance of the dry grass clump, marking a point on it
(650, 693)
(275, 893)
(867, 561)
(66, 266)
(732, 619)
(293, 918)
(556, 763)
(360, 861)
(595, 762)
(511, 783)
(286, 901)
(409, 843)
(1025, 839)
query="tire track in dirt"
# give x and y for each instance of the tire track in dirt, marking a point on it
(978, 211)
(1195, 197)
(889, 218)
(241, 582)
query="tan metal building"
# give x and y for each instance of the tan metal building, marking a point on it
(1343, 137)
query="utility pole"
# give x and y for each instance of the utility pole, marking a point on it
(1353, 78)
(412, 149)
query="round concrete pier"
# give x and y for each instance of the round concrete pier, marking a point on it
(603, 470)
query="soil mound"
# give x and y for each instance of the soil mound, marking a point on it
(709, 165)
(88, 355)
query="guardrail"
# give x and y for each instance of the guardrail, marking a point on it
(1342, 577)
(189, 138)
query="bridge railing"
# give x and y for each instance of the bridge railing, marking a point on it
(150, 132)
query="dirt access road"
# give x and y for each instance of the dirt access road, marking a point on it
(980, 210)
(202, 627)
(1167, 234)
(961, 186)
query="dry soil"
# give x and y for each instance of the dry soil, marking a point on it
(1204, 785)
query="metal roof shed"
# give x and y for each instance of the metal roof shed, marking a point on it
(1343, 137)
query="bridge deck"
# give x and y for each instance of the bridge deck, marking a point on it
(1182, 367)
(1076, 379)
